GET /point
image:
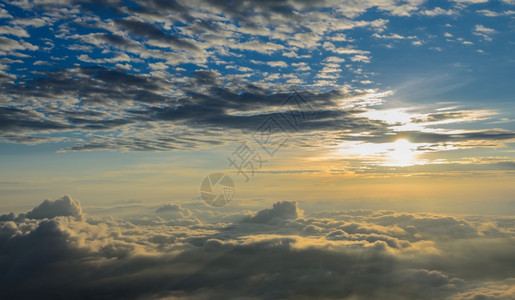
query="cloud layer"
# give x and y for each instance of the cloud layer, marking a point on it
(278, 252)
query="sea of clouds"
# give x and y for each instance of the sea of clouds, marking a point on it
(56, 251)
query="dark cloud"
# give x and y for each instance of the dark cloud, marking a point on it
(160, 5)
(116, 39)
(152, 32)
(427, 137)
(134, 102)
(436, 137)
(13, 119)
(90, 84)
(91, 124)
(139, 100)
(435, 117)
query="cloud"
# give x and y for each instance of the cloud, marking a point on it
(4, 14)
(266, 48)
(490, 13)
(15, 119)
(16, 31)
(7, 45)
(438, 11)
(169, 208)
(394, 36)
(173, 210)
(483, 29)
(149, 105)
(470, 1)
(484, 32)
(278, 64)
(490, 290)
(153, 119)
(154, 35)
(358, 254)
(64, 206)
(280, 211)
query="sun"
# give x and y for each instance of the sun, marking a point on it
(401, 153)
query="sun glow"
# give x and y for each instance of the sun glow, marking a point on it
(402, 153)
(399, 153)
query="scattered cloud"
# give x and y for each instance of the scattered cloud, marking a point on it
(490, 13)
(438, 11)
(484, 32)
(470, 1)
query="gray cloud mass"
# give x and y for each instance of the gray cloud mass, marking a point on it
(278, 252)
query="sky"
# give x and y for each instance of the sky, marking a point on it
(141, 137)
(112, 101)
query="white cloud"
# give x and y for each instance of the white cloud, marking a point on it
(301, 66)
(490, 13)
(4, 14)
(484, 32)
(438, 11)
(64, 206)
(343, 50)
(339, 37)
(393, 36)
(483, 29)
(34, 22)
(158, 66)
(7, 44)
(361, 58)
(14, 30)
(305, 40)
(119, 58)
(470, 1)
(257, 46)
(277, 64)
(334, 59)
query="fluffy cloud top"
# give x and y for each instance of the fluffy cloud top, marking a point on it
(169, 208)
(280, 211)
(64, 206)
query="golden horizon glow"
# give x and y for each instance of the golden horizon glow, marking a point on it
(399, 153)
